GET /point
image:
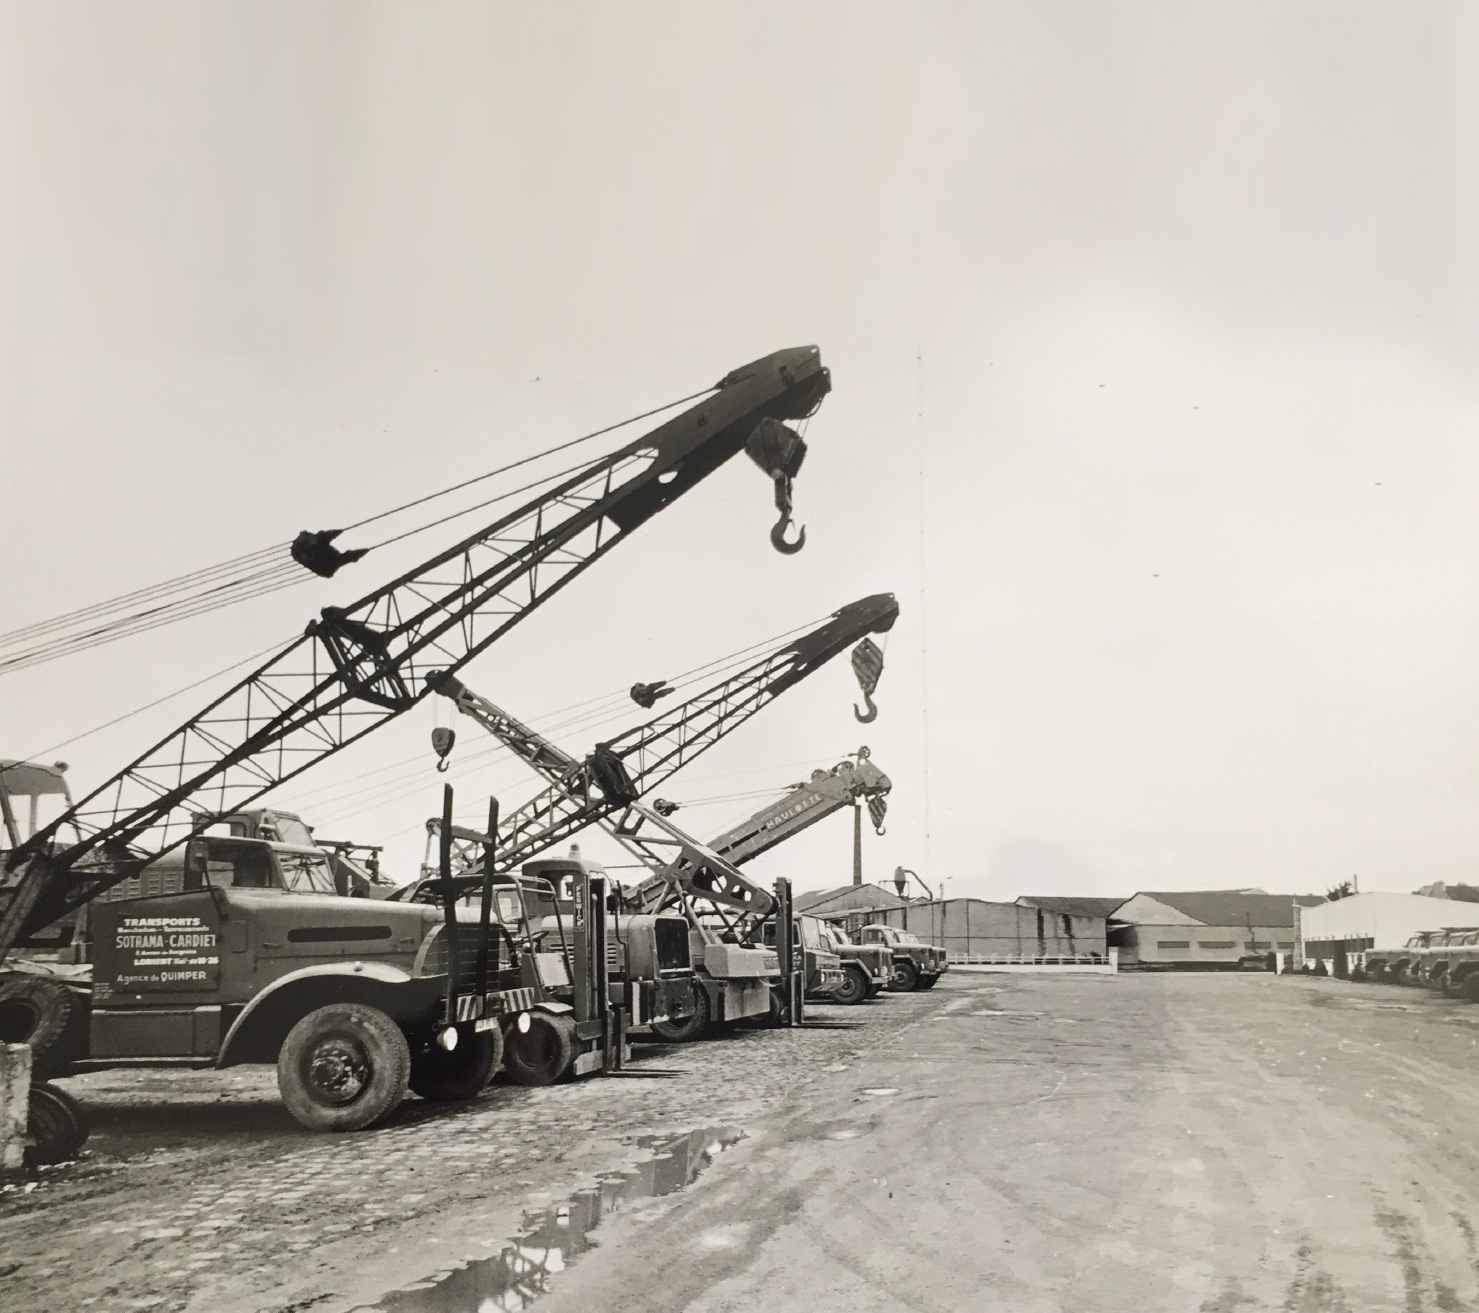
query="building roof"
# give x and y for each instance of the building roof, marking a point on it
(1234, 906)
(848, 898)
(1072, 906)
(1459, 893)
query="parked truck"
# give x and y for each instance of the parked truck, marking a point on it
(867, 969)
(917, 965)
(736, 975)
(243, 951)
(353, 998)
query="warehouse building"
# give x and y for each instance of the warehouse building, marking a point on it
(1208, 928)
(847, 900)
(973, 929)
(1360, 923)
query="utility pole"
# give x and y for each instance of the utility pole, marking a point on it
(857, 844)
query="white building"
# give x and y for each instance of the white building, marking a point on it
(1367, 922)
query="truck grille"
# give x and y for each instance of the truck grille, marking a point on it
(435, 963)
(148, 883)
(673, 951)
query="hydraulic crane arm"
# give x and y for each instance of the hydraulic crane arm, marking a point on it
(645, 833)
(357, 667)
(620, 772)
(847, 784)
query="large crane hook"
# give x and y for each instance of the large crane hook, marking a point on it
(867, 665)
(778, 531)
(779, 451)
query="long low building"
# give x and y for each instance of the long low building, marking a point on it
(1331, 931)
(969, 928)
(1208, 928)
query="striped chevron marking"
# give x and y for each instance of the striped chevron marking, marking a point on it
(470, 1006)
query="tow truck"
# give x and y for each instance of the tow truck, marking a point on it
(356, 999)
(736, 977)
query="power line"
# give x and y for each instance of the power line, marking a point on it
(251, 575)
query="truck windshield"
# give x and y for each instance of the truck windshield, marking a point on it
(306, 873)
(291, 830)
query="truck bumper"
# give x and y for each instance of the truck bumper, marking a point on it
(828, 981)
(658, 1000)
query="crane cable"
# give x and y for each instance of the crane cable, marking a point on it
(254, 574)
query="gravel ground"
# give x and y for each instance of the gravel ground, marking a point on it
(1129, 1144)
(196, 1189)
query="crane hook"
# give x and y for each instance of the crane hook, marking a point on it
(783, 505)
(867, 665)
(778, 536)
(442, 739)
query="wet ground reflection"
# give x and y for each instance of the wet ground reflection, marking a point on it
(554, 1237)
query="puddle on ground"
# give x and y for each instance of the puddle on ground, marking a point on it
(553, 1237)
(881, 1091)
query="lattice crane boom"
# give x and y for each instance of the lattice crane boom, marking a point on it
(617, 774)
(357, 667)
(643, 831)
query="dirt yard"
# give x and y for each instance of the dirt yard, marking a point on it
(1132, 1143)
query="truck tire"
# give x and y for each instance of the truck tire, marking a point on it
(689, 1028)
(906, 977)
(55, 1124)
(854, 986)
(343, 1067)
(543, 1053)
(442, 1077)
(48, 1016)
(930, 981)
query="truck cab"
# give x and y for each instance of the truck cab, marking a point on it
(916, 965)
(647, 956)
(823, 971)
(867, 968)
(242, 950)
(650, 956)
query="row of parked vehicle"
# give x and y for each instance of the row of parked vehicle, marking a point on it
(1439, 959)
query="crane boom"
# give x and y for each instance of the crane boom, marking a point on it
(618, 773)
(710, 871)
(847, 784)
(357, 667)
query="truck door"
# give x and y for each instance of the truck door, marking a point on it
(157, 974)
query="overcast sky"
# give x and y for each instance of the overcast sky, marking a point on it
(1152, 329)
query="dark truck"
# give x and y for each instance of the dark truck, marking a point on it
(866, 968)
(823, 970)
(243, 951)
(648, 956)
(916, 965)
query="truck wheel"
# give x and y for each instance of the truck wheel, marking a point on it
(442, 1077)
(48, 1016)
(541, 1054)
(343, 1067)
(929, 982)
(56, 1125)
(906, 977)
(854, 987)
(689, 1028)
